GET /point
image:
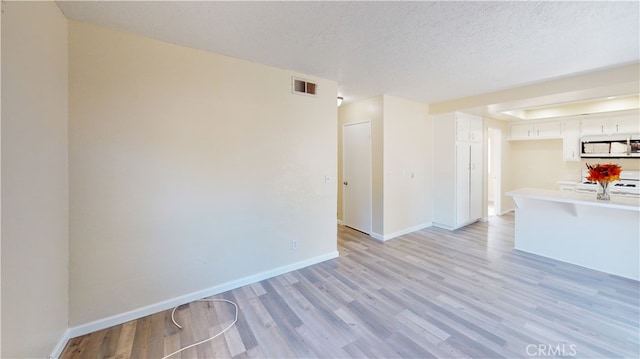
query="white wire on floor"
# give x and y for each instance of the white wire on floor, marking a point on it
(173, 312)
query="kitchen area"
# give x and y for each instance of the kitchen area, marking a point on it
(557, 213)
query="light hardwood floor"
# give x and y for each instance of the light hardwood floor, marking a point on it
(431, 293)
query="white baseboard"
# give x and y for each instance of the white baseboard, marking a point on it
(57, 351)
(187, 298)
(386, 237)
(377, 236)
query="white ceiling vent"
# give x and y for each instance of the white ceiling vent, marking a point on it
(305, 87)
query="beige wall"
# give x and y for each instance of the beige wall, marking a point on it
(400, 145)
(407, 165)
(34, 179)
(189, 170)
(539, 164)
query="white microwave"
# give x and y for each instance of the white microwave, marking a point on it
(614, 146)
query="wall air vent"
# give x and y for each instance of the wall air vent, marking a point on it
(305, 87)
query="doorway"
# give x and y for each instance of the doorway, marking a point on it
(356, 162)
(494, 170)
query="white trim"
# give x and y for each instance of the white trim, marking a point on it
(496, 158)
(340, 223)
(57, 351)
(401, 232)
(453, 228)
(377, 236)
(187, 298)
(356, 123)
(440, 225)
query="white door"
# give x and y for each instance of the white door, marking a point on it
(356, 162)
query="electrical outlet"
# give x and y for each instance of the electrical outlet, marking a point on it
(294, 244)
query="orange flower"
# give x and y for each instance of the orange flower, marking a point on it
(604, 173)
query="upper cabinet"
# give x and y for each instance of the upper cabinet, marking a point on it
(608, 125)
(535, 130)
(468, 128)
(570, 129)
(595, 124)
(571, 140)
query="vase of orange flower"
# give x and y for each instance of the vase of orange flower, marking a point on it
(603, 175)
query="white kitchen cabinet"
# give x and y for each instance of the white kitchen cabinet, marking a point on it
(552, 129)
(520, 131)
(468, 183)
(475, 181)
(468, 128)
(571, 140)
(462, 191)
(535, 130)
(611, 124)
(458, 161)
(624, 124)
(594, 126)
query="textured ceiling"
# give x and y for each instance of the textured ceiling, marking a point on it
(424, 51)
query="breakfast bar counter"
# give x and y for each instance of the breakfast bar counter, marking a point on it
(579, 229)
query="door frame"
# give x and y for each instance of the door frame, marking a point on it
(369, 161)
(495, 155)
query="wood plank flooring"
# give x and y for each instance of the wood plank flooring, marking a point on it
(428, 294)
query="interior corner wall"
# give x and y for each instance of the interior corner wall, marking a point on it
(360, 111)
(34, 179)
(407, 166)
(189, 170)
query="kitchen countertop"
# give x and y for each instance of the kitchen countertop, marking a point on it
(586, 199)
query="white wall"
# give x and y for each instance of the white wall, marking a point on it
(34, 179)
(189, 170)
(407, 166)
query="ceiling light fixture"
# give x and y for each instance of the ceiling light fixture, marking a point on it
(340, 101)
